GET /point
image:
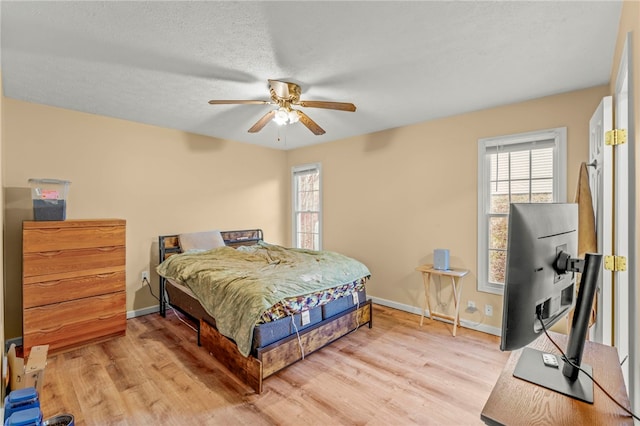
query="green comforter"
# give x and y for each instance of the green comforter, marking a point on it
(236, 286)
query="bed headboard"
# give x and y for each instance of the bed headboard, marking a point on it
(170, 245)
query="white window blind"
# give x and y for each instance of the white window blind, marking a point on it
(307, 214)
(523, 168)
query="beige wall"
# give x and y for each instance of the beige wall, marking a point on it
(161, 181)
(392, 197)
(630, 22)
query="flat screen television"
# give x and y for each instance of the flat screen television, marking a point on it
(540, 289)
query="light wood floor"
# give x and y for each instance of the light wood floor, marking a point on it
(396, 373)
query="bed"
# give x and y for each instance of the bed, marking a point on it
(310, 307)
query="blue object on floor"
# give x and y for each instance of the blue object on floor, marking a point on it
(20, 399)
(28, 417)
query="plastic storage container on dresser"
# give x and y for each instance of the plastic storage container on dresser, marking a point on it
(49, 198)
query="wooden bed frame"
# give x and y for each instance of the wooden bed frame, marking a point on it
(252, 370)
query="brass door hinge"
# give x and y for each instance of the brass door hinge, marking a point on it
(615, 137)
(615, 263)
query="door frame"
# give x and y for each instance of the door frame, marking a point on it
(601, 184)
(625, 236)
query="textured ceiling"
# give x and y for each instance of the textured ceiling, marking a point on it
(399, 62)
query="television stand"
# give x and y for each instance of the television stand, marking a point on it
(514, 400)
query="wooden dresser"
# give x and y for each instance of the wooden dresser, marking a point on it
(73, 282)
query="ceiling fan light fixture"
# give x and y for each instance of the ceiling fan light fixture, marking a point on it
(286, 115)
(281, 116)
(293, 116)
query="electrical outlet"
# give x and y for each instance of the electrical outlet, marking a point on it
(471, 307)
(145, 277)
(488, 310)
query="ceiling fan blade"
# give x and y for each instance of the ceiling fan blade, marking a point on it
(225, 102)
(311, 125)
(341, 106)
(262, 122)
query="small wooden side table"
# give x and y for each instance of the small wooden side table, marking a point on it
(427, 271)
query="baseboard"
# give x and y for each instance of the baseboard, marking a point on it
(143, 311)
(489, 329)
(415, 310)
(396, 305)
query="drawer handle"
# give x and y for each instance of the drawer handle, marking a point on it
(50, 253)
(108, 248)
(107, 275)
(49, 283)
(50, 230)
(50, 330)
(108, 229)
(106, 317)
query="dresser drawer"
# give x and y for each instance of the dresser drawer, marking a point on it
(67, 263)
(70, 323)
(71, 235)
(40, 293)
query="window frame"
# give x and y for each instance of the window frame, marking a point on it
(559, 137)
(295, 170)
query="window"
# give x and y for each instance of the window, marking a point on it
(522, 168)
(307, 215)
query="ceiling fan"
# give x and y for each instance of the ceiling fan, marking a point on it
(286, 94)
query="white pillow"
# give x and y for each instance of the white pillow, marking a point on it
(200, 240)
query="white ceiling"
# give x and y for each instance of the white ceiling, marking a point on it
(400, 62)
